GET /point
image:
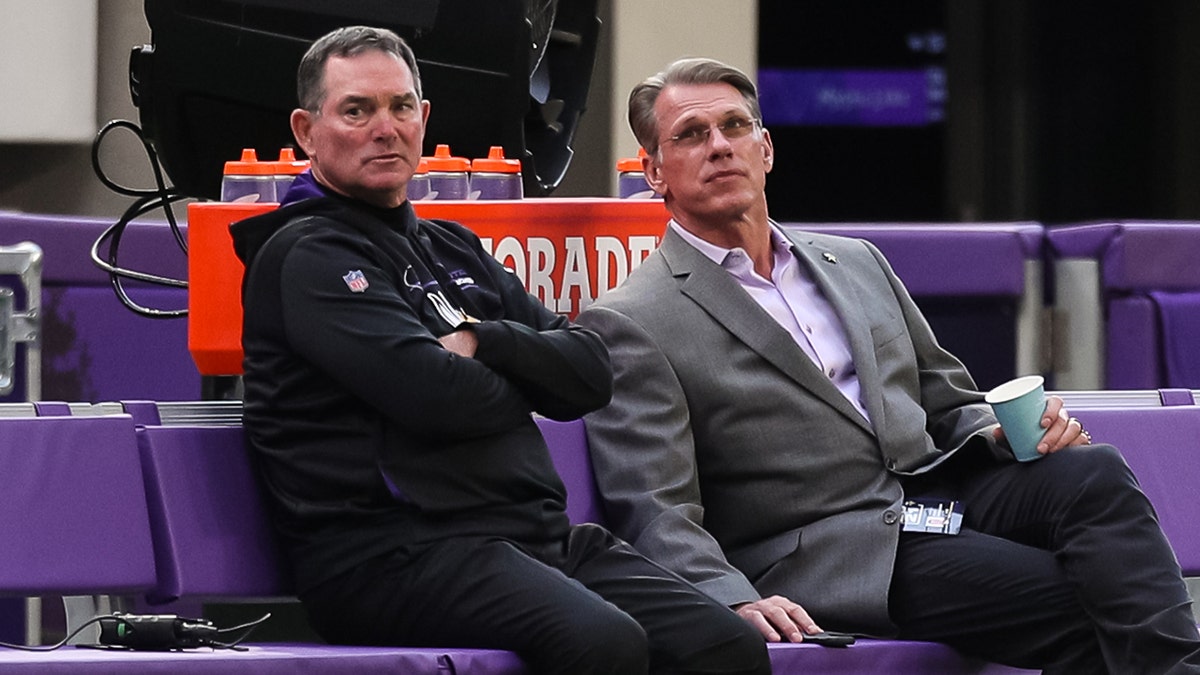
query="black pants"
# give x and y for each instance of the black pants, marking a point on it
(589, 604)
(1060, 565)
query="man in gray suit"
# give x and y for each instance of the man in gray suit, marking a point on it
(780, 406)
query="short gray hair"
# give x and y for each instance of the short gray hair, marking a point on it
(343, 42)
(642, 119)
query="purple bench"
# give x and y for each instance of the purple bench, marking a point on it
(1127, 296)
(122, 504)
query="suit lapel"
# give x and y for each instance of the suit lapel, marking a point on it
(711, 287)
(824, 268)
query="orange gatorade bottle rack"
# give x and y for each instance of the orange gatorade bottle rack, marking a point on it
(565, 251)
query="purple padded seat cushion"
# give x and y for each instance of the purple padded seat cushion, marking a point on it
(267, 659)
(1133, 343)
(212, 534)
(885, 657)
(74, 512)
(1162, 446)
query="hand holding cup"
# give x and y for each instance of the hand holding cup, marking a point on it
(1019, 405)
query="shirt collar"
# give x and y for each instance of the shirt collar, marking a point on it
(719, 254)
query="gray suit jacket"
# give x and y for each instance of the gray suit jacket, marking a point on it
(727, 456)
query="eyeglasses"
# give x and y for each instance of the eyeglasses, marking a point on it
(697, 135)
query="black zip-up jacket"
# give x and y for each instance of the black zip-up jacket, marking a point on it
(368, 434)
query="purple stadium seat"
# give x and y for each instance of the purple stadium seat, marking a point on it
(73, 518)
(74, 514)
(205, 507)
(1144, 277)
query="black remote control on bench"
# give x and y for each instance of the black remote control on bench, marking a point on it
(830, 639)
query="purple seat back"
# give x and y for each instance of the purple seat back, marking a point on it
(73, 517)
(972, 258)
(1134, 256)
(1162, 446)
(569, 450)
(1150, 288)
(91, 356)
(1180, 317)
(212, 535)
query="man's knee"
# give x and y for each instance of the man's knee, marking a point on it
(722, 642)
(598, 642)
(1096, 481)
(1099, 466)
(735, 646)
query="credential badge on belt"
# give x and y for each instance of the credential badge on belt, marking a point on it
(933, 516)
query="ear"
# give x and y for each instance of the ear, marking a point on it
(302, 129)
(653, 172)
(768, 149)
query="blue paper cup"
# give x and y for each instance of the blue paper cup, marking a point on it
(1019, 405)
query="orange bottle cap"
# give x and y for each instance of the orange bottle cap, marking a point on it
(496, 163)
(249, 164)
(288, 164)
(442, 160)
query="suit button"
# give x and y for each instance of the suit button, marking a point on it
(890, 517)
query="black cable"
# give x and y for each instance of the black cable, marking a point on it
(248, 627)
(60, 643)
(162, 196)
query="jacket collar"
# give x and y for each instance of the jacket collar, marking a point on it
(711, 287)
